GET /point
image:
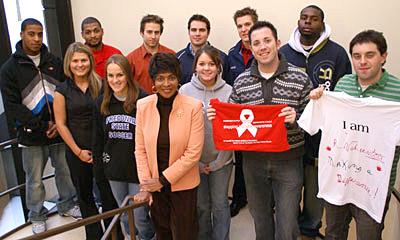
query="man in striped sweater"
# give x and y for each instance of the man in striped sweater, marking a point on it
(368, 51)
(272, 80)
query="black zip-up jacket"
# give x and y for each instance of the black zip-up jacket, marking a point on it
(23, 86)
(113, 142)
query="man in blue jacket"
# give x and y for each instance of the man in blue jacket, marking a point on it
(199, 30)
(240, 58)
(325, 62)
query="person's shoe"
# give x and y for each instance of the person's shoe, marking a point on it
(38, 227)
(235, 208)
(74, 212)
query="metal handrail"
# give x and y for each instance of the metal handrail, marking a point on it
(396, 194)
(111, 230)
(90, 220)
(8, 143)
(4, 145)
(18, 187)
(116, 212)
(114, 221)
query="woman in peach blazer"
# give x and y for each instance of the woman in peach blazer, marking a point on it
(169, 141)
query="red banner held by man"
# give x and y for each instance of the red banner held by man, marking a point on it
(249, 127)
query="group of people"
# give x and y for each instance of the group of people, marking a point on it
(141, 126)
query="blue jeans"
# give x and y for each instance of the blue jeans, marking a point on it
(338, 220)
(281, 179)
(143, 222)
(313, 207)
(34, 159)
(213, 205)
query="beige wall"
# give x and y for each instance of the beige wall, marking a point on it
(121, 18)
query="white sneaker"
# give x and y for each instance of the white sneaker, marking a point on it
(38, 227)
(74, 212)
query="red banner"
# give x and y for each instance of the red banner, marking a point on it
(249, 127)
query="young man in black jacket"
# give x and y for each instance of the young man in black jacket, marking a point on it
(325, 62)
(28, 80)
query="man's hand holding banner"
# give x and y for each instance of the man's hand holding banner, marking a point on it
(249, 127)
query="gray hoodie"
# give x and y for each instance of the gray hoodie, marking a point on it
(216, 159)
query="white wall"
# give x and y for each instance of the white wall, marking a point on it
(121, 18)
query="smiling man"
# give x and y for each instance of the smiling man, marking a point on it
(271, 80)
(199, 29)
(93, 33)
(368, 50)
(325, 62)
(151, 28)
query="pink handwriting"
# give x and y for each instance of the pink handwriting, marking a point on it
(353, 146)
(357, 183)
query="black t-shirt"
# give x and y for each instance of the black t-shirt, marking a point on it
(79, 110)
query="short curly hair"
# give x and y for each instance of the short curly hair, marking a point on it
(164, 62)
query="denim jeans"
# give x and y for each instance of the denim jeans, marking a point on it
(313, 207)
(34, 159)
(281, 179)
(143, 222)
(213, 205)
(338, 219)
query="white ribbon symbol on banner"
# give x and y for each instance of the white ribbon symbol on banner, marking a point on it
(246, 123)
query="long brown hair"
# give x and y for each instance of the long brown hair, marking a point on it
(93, 79)
(133, 89)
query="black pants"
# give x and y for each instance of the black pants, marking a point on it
(174, 215)
(82, 174)
(239, 188)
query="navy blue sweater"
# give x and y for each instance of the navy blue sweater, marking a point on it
(325, 65)
(186, 58)
(236, 62)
